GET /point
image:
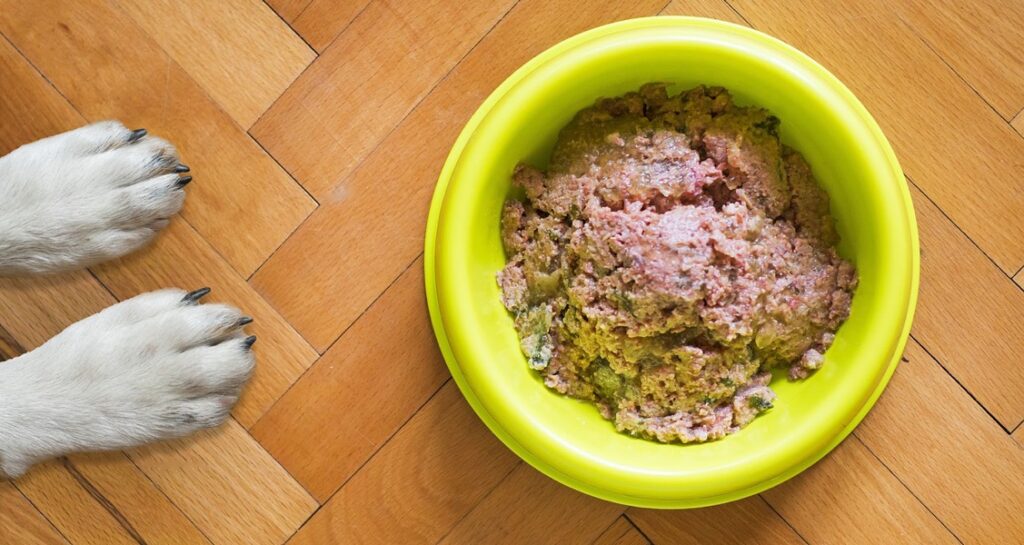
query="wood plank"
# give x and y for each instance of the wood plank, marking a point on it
(22, 523)
(621, 532)
(241, 201)
(944, 447)
(35, 309)
(323, 20)
(366, 250)
(288, 9)
(230, 487)
(967, 315)
(851, 497)
(103, 498)
(717, 9)
(359, 393)
(9, 347)
(68, 504)
(750, 521)
(529, 507)
(868, 51)
(31, 100)
(1018, 123)
(345, 104)
(143, 507)
(981, 40)
(241, 53)
(1019, 435)
(181, 258)
(435, 469)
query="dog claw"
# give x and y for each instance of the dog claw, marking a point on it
(193, 297)
(136, 135)
(244, 320)
(184, 180)
(249, 341)
(181, 168)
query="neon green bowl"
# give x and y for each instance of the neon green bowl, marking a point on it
(567, 439)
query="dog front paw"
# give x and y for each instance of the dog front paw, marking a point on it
(85, 196)
(157, 366)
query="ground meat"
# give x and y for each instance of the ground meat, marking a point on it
(673, 254)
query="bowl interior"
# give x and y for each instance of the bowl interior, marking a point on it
(568, 439)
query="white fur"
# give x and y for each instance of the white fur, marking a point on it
(153, 367)
(84, 196)
(149, 368)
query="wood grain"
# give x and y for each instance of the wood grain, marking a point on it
(345, 104)
(621, 532)
(750, 521)
(423, 481)
(511, 514)
(35, 309)
(943, 446)
(323, 20)
(31, 101)
(967, 315)
(181, 258)
(241, 200)
(355, 397)
(866, 50)
(22, 523)
(716, 9)
(830, 502)
(9, 347)
(68, 505)
(1018, 123)
(228, 486)
(288, 9)
(981, 42)
(367, 249)
(152, 516)
(241, 53)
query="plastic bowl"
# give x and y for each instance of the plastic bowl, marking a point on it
(567, 439)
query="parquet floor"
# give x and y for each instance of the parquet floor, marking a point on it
(303, 120)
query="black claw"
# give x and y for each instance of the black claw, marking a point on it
(184, 180)
(249, 341)
(181, 168)
(136, 135)
(193, 297)
(244, 320)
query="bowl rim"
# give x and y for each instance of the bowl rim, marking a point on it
(432, 267)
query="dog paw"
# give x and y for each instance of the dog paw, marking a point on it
(157, 366)
(85, 196)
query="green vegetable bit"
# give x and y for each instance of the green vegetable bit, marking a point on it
(759, 403)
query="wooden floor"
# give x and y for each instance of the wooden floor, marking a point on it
(303, 119)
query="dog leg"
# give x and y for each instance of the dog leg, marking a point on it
(85, 196)
(157, 366)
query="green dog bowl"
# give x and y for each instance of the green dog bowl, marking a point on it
(567, 439)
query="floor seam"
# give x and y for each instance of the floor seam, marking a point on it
(783, 519)
(857, 438)
(960, 229)
(958, 383)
